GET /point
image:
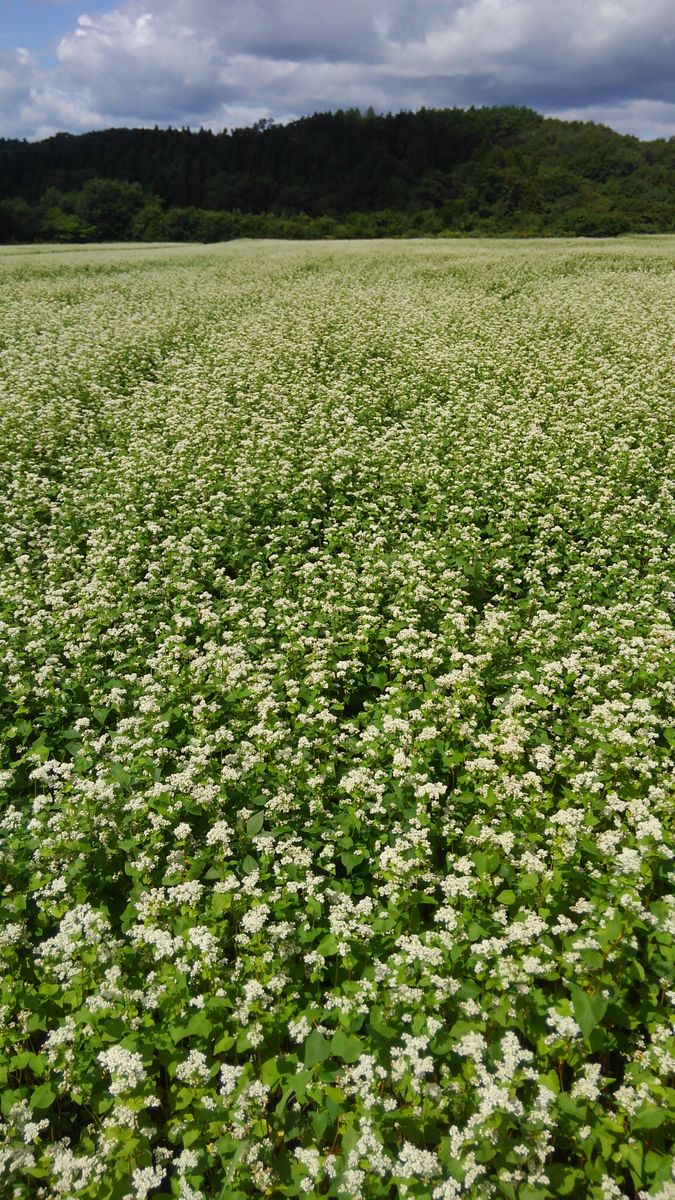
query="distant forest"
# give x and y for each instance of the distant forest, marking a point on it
(487, 171)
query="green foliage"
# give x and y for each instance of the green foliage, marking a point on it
(108, 207)
(18, 221)
(588, 1010)
(437, 171)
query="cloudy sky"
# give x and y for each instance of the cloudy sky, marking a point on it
(222, 63)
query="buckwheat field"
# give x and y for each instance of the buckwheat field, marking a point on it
(337, 710)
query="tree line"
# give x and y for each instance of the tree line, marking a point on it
(504, 170)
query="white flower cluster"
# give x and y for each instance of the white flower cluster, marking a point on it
(125, 1068)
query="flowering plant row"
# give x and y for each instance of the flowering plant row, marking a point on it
(337, 716)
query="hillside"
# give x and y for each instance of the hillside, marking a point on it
(482, 170)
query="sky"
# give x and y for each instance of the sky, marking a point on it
(67, 66)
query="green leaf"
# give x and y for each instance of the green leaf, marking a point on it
(20, 1061)
(320, 1122)
(198, 1026)
(658, 1167)
(588, 1010)
(345, 1047)
(550, 1081)
(224, 1044)
(570, 1105)
(226, 1192)
(649, 1117)
(43, 1097)
(506, 897)
(296, 1087)
(592, 958)
(269, 1072)
(220, 903)
(486, 864)
(380, 1026)
(633, 1156)
(317, 1048)
(327, 946)
(255, 823)
(349, 861)
(528, 883)
(563, 1179)
(333, 1099)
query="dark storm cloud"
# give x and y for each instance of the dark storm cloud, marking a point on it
(205, 61)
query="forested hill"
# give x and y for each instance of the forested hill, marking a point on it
(484, 170)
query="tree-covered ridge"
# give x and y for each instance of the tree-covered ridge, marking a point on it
(491, 170)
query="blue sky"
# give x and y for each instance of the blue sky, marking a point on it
(38, 25)
(220, 63)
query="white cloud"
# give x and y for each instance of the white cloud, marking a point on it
(33, 104)
(649, 118)
(128, 62)
(16, 74)
(214, 62)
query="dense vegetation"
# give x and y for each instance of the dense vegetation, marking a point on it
(489, 170)
(337, 756)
